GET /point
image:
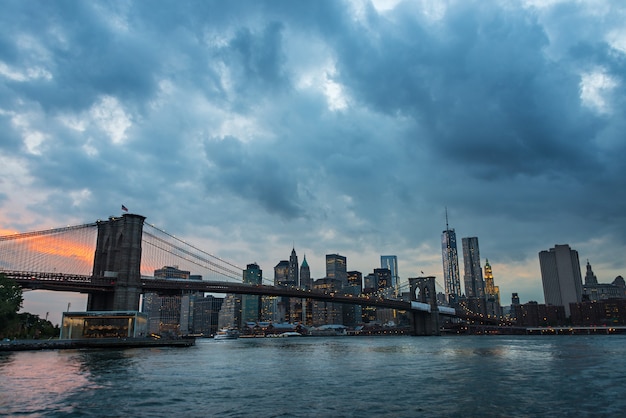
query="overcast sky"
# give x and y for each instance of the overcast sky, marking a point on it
(249, 127)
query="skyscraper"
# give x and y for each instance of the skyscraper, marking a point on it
(383, 279)
(171, 314)
(251, 304)
(451, 278)
(515, 299)
(491, 289)
(306, 283)
(292, 275)
(353, 314)
(492, 292)
(325, 313)
(391, 262)
(305, 275)
(336, 268)
(281, 273)
(561, 277)
(206, 311)
(472, 272)
(280, 309)
(355, 279)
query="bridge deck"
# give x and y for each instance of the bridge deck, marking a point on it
(86, 284)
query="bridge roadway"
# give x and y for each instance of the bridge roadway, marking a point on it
(86, 284)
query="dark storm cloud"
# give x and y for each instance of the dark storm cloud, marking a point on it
(481, 87)
(346, 127)
(260, 58)
(257, 178)
(86, 54)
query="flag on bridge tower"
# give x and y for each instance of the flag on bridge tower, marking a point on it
(124, 208)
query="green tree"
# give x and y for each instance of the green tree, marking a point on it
(10, 296)
(10, 301)
(29, 326)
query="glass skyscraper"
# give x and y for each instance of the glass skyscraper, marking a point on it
(391, 262)
(450, 257)
(251, 304)
(472, 272)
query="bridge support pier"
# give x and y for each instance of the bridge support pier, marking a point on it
(423, 291)
(118, 256)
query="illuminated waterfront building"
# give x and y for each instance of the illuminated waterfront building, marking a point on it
(383, 281)
(355, 279)
(352, 314)
(281, 304)
(286, 274)
(230, 312)
(269, 309)
(604, 313)
(561, 277)
(171, 315)
(327, 313)
(533, 314)
(206, 311)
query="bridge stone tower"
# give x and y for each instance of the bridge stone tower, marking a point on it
(118, 256)
(423, 291)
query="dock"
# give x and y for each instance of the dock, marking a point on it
(101, 343)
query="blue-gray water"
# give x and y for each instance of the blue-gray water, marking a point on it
(470, 376)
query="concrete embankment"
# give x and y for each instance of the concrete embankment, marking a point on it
(25, 345)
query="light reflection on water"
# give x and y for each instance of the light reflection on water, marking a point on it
(39, 381)
(344, 376)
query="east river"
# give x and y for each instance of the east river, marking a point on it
(467, 376)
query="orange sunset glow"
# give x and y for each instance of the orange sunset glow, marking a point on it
(66, 253)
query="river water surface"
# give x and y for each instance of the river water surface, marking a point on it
(469, 376)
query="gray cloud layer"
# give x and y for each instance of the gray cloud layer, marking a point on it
(336, 126)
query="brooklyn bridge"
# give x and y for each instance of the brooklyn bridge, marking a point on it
(113, 262)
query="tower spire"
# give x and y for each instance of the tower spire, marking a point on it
(447, 227)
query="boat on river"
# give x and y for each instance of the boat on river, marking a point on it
(227, 334)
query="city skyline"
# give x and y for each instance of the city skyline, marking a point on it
(331, 126)
(283, 272)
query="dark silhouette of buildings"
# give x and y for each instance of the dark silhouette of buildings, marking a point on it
(533, 314)
(609, 312)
